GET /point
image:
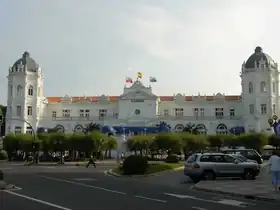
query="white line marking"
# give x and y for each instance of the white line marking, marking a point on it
(151, 199)
(198, 208)
(231, 202)
(223, 202)
(83, 185)
(37, 200)
(84, 179)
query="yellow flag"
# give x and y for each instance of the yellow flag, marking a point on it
(140, 75)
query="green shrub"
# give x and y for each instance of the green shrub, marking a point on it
(172, 159)
(3, 155)
(135, 164)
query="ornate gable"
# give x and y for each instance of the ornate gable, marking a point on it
(137, 85)
(138, 95)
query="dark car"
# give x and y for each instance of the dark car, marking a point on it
(250, 154)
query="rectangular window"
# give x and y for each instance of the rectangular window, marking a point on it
(179, 112)
(29, 110)
(102, 113)
(251, 109)
(82, 113)
(66, 113)
(18, 111)
(232, 112)
(202, 112)
(274, 108)
(53, 114)
(195, 112)
(166, 112)
(219, 112)
(263, 109)
(87, 113)
(17, 130)
(29, 130)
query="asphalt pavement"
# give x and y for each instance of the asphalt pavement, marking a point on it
(75, 189)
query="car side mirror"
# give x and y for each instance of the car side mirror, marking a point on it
(236, 162)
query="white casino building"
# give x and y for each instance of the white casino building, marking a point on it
(137, 107)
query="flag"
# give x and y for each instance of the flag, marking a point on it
(153, 79)
(128, 80)
(139, 75)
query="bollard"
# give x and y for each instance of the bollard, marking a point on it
(1, 175)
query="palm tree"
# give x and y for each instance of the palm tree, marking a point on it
(90, 127)
(191, 128)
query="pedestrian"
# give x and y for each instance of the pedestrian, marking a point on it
(274, 169)
(91, 161)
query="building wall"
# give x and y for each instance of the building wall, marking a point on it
(212, 112)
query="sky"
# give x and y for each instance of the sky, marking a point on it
(89, 47)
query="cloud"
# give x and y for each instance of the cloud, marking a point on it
(168, 35)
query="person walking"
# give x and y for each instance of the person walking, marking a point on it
(91, 161)
(274, 169)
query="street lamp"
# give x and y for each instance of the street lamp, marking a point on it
(274, 122)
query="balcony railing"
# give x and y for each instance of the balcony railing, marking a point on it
(158, 117)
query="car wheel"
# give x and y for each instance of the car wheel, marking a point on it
(249, 175)
(209, 175)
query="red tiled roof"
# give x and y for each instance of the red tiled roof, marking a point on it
(162, 98)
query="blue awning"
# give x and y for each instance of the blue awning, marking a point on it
(237, 130)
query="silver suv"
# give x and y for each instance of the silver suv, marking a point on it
(208, 166)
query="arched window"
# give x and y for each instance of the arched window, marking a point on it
(251, 88)
(30, 90)
(273, 87)
(221, 129)
(201, 129)
(19, 90)
(263, 86)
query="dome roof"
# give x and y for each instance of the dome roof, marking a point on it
(256, 57)
(27, 62)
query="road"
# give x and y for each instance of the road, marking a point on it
(76, 189)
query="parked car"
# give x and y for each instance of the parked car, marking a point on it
(242, 158)
(209, 166)
(248, 153)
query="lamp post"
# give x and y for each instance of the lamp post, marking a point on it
(274, 123)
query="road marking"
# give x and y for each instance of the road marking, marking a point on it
(82, 184)
(232, 202)
(84, 179)
(6, 168)
(198, 208)
(37, 200)
(151, 199)
(223, 202)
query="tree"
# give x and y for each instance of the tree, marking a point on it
(59, 143)
(109, 144)
(253, 140)
(11, 144)
(191, 128)
(90, 127)
(274, 141)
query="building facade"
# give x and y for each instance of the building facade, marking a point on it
(138, 107)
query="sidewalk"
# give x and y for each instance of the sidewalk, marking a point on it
(76, 163)
(260, 189)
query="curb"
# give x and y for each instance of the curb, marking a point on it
(110, 172)
(246, 196)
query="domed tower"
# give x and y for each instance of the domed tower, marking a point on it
(260, 90)
(25, 93)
